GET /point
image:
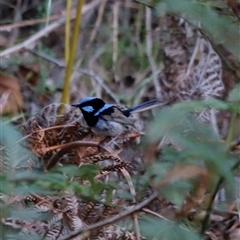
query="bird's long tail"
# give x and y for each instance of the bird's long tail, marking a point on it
(142, 107)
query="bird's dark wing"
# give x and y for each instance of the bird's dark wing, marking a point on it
(117, 116)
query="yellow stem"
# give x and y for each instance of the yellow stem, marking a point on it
(65, 96)
(67, 30)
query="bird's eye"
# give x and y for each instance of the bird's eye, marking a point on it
(88, 109)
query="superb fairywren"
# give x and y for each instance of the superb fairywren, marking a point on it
(108, 119)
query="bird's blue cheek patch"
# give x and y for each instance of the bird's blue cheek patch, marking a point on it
(88, 109)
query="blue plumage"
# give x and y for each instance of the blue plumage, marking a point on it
(88, 109)
(105, 107)
(107, 119)
(86, 99)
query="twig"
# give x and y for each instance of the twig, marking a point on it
(101, 82)
(136, 226)
(114, 219)
(149, 52)
(155, 214)
(17, 18)
(193, 56)
(43, 130)
(30, 41)
(93, 33)
(92, 65)
(115, 37)
(90, 73)
(196, 48)
(92, 37)
(97, 23)
(209, 208)
(49, 4)
(213, 121)
(207, 59)
(133, 192)
(10, 27)
(67, 30)
(162, 217)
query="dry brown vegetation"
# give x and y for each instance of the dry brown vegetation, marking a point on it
(175, 175)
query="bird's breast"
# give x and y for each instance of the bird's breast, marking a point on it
(108, 128)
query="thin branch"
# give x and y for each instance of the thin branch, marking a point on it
(49, 5)
(33, 39)
(114, 219)
(67, 30)
(97, 23)
(90, 73)
(68, 146)
(195, 51)
(149, 52)
(17, 18)
(42, 33)
(115, 32)
(10, 27)
(91, 39)
(162, 217)
(210, 205)
(210, 209)
(193, 57)
(146, 210)
(101, 82)
(136, 226)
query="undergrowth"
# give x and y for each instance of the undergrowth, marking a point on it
(174, 175)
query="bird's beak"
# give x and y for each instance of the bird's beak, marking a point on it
(74, 105)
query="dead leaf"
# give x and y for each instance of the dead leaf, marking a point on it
(11, 97)
(151, 153)
(181, 173)
(233, 4)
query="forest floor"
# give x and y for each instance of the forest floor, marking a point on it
(175, 174)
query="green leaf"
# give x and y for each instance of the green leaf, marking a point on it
(234, 95)
(197, 141)
(154, 228)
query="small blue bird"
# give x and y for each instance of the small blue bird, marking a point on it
(108, 119)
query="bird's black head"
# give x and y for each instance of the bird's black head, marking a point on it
(92, 108)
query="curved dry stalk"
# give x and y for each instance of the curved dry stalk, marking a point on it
(66, 147)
